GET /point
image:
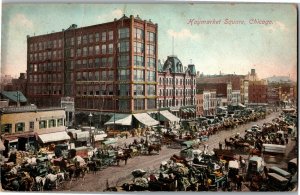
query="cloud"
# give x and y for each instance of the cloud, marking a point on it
(183, 34)
(277, 25)
(21, 20)
(117, 13)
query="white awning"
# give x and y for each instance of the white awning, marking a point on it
(83, 135)
(241, 105)
(54, 137)
(146, 119)
(100, 137)
(2, 147)
(120, 119)
(169, 116)
(222, 108)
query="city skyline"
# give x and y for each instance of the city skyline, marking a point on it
(227, 38)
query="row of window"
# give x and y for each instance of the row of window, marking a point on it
(104, 75)
(45, 78)
(124, 90)
(109, 104)
(123, 75)
(50, 66)
(21, 126)
(91, 39)
(175, 102)
(176, 92)
(93, 63)
(44, 45)
(169, 81)
(45, 90)
(43, 124)
(123, 46)
(46, 55)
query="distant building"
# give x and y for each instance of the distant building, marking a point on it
(235, 80)
(177, 87)
(199, 105)
(258, 91)
(224, 85)
(279, 79)
(273, 93)
(5, 80)
(252, 76)
(245, 92)
(209, 102)
(19, 84)
(236, 97)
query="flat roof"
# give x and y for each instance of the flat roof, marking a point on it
(21, 109)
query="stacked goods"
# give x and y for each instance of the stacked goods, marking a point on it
(20, 155)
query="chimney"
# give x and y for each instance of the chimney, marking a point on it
(22, 76)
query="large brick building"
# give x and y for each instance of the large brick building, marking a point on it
(258, 92)
(235, 80)
(107, 68)
(177, 87)
(225, 85)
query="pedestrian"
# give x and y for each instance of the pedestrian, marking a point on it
(286, 140)
(126, 135)
(220, 145)
(239, 182)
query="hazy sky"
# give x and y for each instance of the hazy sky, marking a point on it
(271, 49)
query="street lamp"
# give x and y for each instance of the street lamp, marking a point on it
(90, 119)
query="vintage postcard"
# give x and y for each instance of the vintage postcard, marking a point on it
(149, 97)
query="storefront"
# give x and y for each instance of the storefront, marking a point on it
(57, 138)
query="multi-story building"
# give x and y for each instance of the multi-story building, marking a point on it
(225, 84)
(5, 80)
(236, 97)
(209, 102)
(234, 79)
(108, 68)
(258, 92)
(177, 87)
(245, 92)
(199, 105)
(273, 93)
(19, 84)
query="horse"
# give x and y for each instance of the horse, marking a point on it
(255, 151)
(154, 147)
(55, 179)
(40, 183)
(228, 144)
(178, 159)
(123, 157)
